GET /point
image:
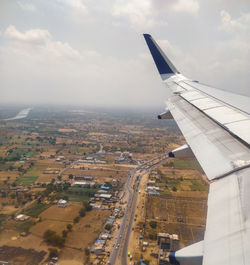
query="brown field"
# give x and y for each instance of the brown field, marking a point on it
(185, 216)
(96, 133)
(8, 209)
(99, 172)
(56, 218)
(83, 235)
(66, 130)
(20, 256)
(12, 174)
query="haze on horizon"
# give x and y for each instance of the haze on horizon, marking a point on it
(93, 53)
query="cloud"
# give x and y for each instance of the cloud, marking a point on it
(229, 25)
(140, 13)
(144, 14)
(187, 6)
(37, 36)
(26, 6)
(76, 5)
(44, 73)
(37, 42)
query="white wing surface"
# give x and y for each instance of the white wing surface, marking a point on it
(216, 125)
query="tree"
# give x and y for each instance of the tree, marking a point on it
(153, 224)
(69, 227)
(51, 237)
(82, 212)
(108, 227)
(59, 177)
(76, 220)
(88, 207)
(174, 188)
(70, 176)
(64, 233)
(86, 251)
(53, 252)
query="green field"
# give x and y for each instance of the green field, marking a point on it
(26, 180)
(75, 198)
(29, 177)
(24, 226)
(36, 209)
(77, 194)
(184, 164)
(198, 185)
(34, 171)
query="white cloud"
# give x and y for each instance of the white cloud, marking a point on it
(26, 6)
(187, 6)
(141, 13)
(76, 5)
(37, 43)
(38, 36)
(144, 14)
(238, 25)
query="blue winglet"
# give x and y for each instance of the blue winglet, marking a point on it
(162, 62)
(172, 259)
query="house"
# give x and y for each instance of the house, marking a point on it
(22, 217)
(98, 247)
(88, 178)
(105, 196)
(103, 187)
(62, 203)
(60, 158)
(80, 184)
(168, 242)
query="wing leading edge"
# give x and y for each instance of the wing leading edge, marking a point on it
(218, 132)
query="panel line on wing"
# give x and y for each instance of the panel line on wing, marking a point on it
(247, 144)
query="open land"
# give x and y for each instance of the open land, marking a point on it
(64, 170)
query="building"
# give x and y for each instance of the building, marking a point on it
(105, 236)
(88, 178)
(105, 196)
(168, 242)
(22, 217)
(98, 247)
(82, 184)
(62, 203)
(60, 158)
(103, 187)
(152, 190)
(95, 206)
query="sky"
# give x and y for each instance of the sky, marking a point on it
(92, 53)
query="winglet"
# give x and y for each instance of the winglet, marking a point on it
(163, 64)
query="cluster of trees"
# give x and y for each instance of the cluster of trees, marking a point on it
(52, 238)
(83, 211)
(153, 224)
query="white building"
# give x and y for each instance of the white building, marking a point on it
(62, 203)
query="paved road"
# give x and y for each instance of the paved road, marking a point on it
(130, 225)
(131, 208)
(115, 252)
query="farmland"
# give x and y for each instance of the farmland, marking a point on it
(43, 156)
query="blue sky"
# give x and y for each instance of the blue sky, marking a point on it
(92, 52)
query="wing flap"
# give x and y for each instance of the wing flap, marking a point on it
(227, 231)
(214, 147)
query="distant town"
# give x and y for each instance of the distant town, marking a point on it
(91, 186)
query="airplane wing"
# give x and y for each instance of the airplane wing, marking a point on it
(216, 125)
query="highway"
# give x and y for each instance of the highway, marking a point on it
(126, 226)
(115, 252)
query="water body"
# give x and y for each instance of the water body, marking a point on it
(21, 115)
